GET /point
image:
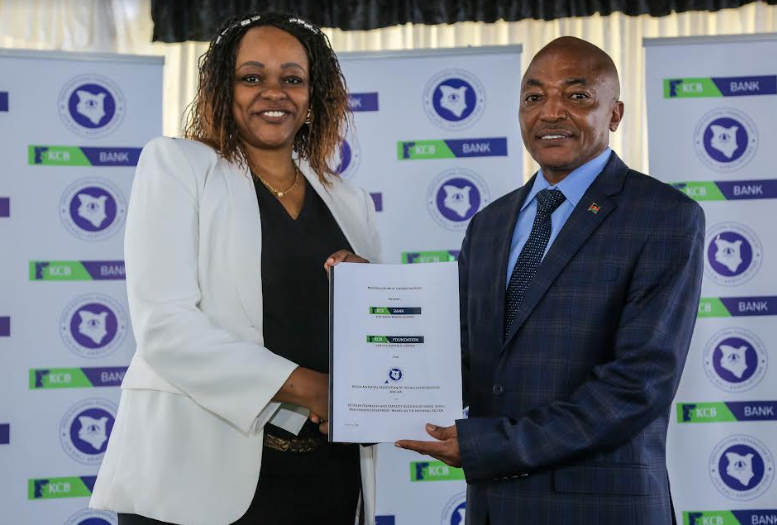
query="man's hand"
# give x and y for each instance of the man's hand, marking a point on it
(446, 449)
(342, 256)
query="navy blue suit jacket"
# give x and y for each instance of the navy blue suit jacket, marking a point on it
(568, 415)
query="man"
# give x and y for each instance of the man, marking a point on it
(579, 293)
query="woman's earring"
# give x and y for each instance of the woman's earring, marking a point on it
(309, 118)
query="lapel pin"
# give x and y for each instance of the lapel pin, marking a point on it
(594, 208)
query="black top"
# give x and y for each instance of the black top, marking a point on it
(295, 287)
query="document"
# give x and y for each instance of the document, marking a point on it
(395, 351)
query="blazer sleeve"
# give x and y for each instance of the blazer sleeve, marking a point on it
(375, 255)
(228, 376)
(623, 396)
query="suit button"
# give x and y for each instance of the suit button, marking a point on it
(498, 390)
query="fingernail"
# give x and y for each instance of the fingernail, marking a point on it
(397, 445)
(429, 426)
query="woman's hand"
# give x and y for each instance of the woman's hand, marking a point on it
(342, 256)
(307, 388)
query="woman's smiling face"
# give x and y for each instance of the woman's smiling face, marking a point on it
(271, 88)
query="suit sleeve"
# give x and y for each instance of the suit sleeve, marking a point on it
(620, 397)
(230, 377)
(464, 311)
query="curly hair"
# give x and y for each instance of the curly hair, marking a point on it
(210, 120)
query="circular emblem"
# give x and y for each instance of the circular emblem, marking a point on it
(395, 375)
(741, 467)
(92, 209)
(726, 139)
(454, 99)
(455, 196)
(454, 512)
(91, 105)
(733, 254)
(93, 326)
(92, 517)
(735, 360)
(85, 429)
(347, 157)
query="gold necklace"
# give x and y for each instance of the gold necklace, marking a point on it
(281, 193)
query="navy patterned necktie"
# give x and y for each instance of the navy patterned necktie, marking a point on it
(531, 254)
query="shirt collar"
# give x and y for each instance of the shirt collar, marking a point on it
(575, 184)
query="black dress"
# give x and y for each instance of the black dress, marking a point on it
(298, 488)
(320, 486)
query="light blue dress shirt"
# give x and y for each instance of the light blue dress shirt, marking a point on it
(573, 187)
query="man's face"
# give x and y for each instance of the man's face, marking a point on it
(568, 109)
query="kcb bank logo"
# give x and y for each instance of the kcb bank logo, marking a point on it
(92, 517)
(733, 254)
(92, 209)
(741, 468)
(726, 139)
(454, 99)
(454, 512)
(347, 157)
(735, 360)
(455, 196)
(85, 429)
(91, 105)
(93, 326)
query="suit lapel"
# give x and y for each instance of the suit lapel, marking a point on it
(503, 255)
(246, 228)
(341, 211)
(587, 216)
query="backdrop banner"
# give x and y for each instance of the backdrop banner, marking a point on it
(712, 123)
(72, 128)
(436, 138)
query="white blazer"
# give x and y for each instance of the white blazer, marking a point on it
(186, 446)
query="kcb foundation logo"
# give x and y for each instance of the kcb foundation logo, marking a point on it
(454, 512)
(92, 209)
(347, 157)
(93, 326)
(726, 139)
(455, 196)
(735, 360)
(741, 468)
(91, 105)
(92, 517)
(454, 99)
(733, 254)
(85, 429)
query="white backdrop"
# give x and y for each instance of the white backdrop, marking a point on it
(712, 108)
(436, 138)
(72, 127)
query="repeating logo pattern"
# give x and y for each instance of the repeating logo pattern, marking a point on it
(92, 209)
(741, 468)
(726, 139)
(733, 254)
(93, 326)
(454, 99)
(85, 429)
(347, 157)
(735, 360)
(455, 196)
(92, 517)
(91, 105)
(454, 512)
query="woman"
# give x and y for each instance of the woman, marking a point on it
(226, 236)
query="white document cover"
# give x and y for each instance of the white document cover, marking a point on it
(395, 351)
